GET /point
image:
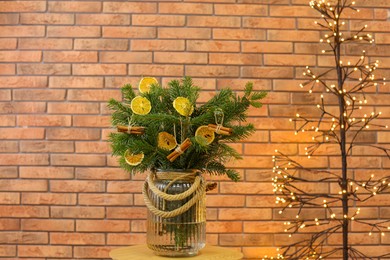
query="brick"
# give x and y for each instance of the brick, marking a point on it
(156, 70)
(22, 133)
(47, 225)
(249, 161)
(100, 173)
(129, 32)
(224, 227)
(92, 121)
(45, 44)
(93, 147)
(185, 8)
(120, 239)
(44, 120)
(44, 69)
(79, 160)
(77, 212)
(245, 188)
(127, 7)
(23, 82)
(9, 224)
(213, 46)
(263, 227)
(240, 9)
(212, 71)
(39, 95)
(244, 214)
(6, 120)
(8, 172)
(157, 45)
(158, 20)
(70, 56)
(72, 134)
(8, 197)
(92, 252)
(9, 147)
(9, 18)
(7, 69)
(101, 44)
(283, 60)
(73, 108)
(46, 172)
(103, 225)
(48, 198)
(267, 72)
(76, 82)
(126, 57)
(73, 31)
(121, 186)
(295, 36)
(76, 239)
(8, 43)
(293, 11)
(75, 7)
(22, 31)
(357, 162)
(239, 34)
(240, 59)
(46, 18)
(126, 213)
(245, 239)
(25, 159)
(106, 199)
(76, 186)
(213, 21)
(23, 237)
(22, 107)
(45, 251)
(269, 149)
(103, 19)
(22, 6)
(99, 69)
(20, 56)
(23, 185)
(24, 211)
(184, 33)
(5, 94)
(185, 57)
(269, 23)
(94, 95)
(225, 201)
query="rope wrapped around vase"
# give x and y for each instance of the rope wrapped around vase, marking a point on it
(197, 191)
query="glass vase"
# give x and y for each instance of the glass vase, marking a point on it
(181, 235)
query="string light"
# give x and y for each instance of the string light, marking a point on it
(291, 196)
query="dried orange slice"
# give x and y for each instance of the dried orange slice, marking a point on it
(140, 106)
(183, 106)
(204, 135)
(145, 83)
(133, 159)
(166, 141)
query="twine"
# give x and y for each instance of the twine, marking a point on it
(218, 128)
(179, 150)
(197, 189)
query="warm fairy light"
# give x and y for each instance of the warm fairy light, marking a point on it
(363, 74)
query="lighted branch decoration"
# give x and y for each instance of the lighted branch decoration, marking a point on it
(339, 125)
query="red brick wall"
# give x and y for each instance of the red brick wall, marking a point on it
(61, 193)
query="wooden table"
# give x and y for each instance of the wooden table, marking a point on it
(142, 252)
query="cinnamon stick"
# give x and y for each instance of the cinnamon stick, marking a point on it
(179, 150)
(137, 130)
(220, 129)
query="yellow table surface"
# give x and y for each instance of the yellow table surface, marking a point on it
(142, 252)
